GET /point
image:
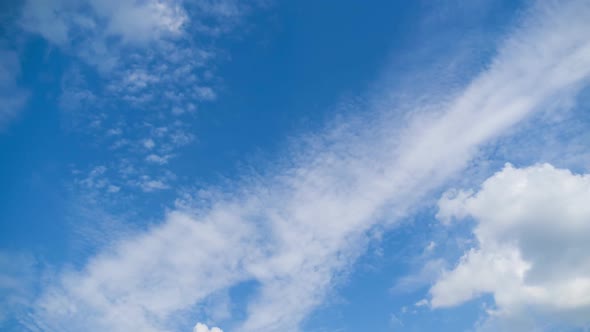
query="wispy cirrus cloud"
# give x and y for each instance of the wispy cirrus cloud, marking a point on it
(298, 227)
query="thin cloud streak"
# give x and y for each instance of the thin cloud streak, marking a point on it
(297, 230)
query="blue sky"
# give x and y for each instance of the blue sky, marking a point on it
(294, 166)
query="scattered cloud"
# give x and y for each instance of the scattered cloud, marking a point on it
(149, 143)
(421, 303)
(154, 158)
(114, 132)
(113, 189)
(131, 65)
(430, 247)
(95, 178)
(149, 185)
(205, 93)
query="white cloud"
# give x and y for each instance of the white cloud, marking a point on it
(177, 110)
(430, 247)
(200, 327)
(156, 159)
(533, 226)
(148, 185)
(296, 229)
(179, 137)
(141, 21)
(138, 79)
(114, 132)
(61, 21)
(113, 189)
(205, 93)
(95, 178)
(421, 303)
(149, 143)
(46, 18)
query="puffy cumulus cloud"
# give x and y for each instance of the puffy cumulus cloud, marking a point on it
(200, 327)
(296, 229)
(532, 229)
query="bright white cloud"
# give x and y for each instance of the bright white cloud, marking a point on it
(533, 226)
(200, 327)
(297, 228)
